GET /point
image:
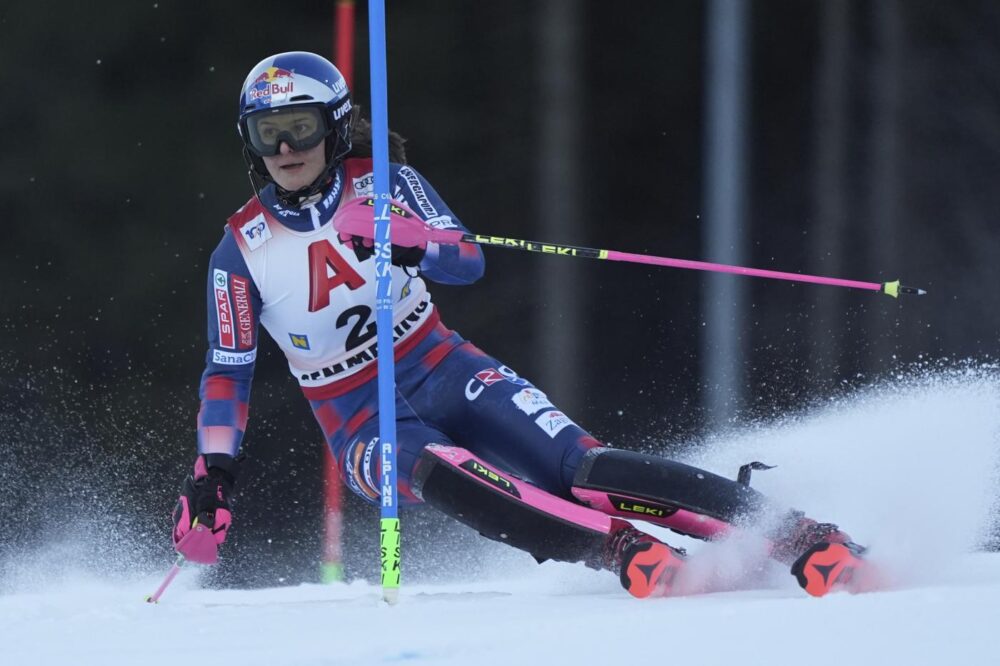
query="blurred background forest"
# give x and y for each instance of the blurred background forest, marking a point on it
(868, 137)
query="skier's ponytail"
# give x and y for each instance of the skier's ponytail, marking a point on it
(361, 139)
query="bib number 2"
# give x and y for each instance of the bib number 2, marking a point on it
(362, 330)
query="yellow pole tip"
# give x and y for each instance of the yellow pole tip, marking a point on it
(891, 288)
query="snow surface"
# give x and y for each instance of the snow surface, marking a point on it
(908, 468)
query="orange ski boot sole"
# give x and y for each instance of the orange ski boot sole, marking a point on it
(826, 567)
(650, 570)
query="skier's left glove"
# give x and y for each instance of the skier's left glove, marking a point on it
(204, 505)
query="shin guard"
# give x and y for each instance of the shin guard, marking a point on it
(682, 498)
(504, 508)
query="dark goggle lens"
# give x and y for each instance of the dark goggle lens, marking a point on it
(301, 127)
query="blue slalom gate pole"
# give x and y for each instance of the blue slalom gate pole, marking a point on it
(389, 537)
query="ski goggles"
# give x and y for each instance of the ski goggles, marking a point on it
(301, 127)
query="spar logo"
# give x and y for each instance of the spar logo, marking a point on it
(272, 81)
(224, 310)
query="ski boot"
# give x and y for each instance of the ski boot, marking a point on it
(646, 566)
(828, 567)
(823, 558)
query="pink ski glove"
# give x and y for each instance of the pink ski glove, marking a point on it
(202, 515)
(356, 219)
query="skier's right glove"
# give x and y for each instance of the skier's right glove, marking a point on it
(204, 505)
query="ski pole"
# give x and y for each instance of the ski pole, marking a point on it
(893, 288)
(198, 546)
(174, 570)
(355, 220)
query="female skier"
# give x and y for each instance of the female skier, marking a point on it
(475, 440)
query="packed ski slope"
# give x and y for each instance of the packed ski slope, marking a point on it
(908, 469)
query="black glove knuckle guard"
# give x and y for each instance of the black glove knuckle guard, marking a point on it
(404, 257)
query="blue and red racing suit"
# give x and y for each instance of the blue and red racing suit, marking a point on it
(285, 267)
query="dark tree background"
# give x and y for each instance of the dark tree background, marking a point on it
(874, 154)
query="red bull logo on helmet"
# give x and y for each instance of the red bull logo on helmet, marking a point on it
(269, 83)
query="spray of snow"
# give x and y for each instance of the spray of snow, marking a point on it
(908, 468)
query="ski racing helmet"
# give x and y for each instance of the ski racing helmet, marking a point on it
(294, 83)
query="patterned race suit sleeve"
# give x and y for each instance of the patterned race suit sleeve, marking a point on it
(445, 264)
(234, 307)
